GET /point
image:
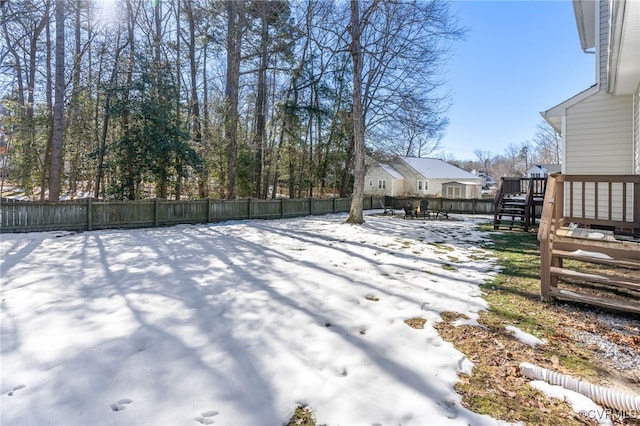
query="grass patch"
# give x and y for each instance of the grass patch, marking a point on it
(496, 386)
(415, 322)
(302, 417)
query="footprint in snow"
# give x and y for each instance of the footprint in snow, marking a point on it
(121, 404)
(16, 388)
(206, 418)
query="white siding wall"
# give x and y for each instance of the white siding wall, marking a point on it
(636, 129)
(603, 43)
(375, 174)
(468, 191)
(599, 133)
(617, 207)
(409, 187)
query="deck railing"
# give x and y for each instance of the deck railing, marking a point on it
(610, 203)
(593, 200)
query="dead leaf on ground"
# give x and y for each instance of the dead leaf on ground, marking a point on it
(415, 322)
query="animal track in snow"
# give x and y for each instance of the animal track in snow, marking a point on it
(121, 404)
(206, 417)
(16, 388)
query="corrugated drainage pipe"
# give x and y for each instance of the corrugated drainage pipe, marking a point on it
(605, 396)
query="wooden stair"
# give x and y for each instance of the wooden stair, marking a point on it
(512, 213)
(515, 203)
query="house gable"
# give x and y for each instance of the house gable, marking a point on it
(418, 177)
(382, 180)
(432, 172)
(600, 126)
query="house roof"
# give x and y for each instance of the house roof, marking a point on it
(552, 168)
(434, 168)
(624, 57)
(554, 115)
(391, 171)
(462, 183)
(548, 168)
(623, 75)
(585, 11)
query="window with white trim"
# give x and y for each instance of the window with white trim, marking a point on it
(382, 184)
(454, 191)
(419, 186)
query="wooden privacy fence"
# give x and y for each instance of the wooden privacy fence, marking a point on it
(87, 215)
(453, 205)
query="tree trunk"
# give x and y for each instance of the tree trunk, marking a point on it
(130, 178)
(46, 162)
(261, 99)
(234, 36)
(58, 108)
(355, 213)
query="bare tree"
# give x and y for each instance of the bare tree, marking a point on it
(400, 47)
(235, 29)
(58, 107)
(22, 27)
(355, 212)
(548, 144)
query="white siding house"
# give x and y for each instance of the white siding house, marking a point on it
(600, 126)
(382, 179)
(543, 170)
(421, 177)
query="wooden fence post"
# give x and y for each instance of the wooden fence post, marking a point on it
(156, 208)
(89, 215)
(281, 208)
(249, 207)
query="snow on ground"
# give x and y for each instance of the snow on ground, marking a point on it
(524, 337)
(237, 323)
(581, 404)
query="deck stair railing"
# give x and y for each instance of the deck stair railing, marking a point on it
(589, 237)
(516, 201)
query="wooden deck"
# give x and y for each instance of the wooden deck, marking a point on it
(590, 241)
(517, 202)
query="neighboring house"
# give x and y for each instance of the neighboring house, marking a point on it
(488, 181)
(382, 179)
(600, 127)
(543, 170)
(421, 177)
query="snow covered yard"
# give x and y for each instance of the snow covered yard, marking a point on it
(237, 323)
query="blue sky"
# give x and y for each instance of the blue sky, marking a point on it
(519, 58)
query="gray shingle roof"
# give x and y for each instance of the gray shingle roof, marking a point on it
(435, 168)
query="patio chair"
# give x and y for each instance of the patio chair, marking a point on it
(444, 213)
(409, 211)
(423, 210)
(386, 208)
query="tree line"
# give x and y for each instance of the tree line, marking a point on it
(124, 99)
(545, 147)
